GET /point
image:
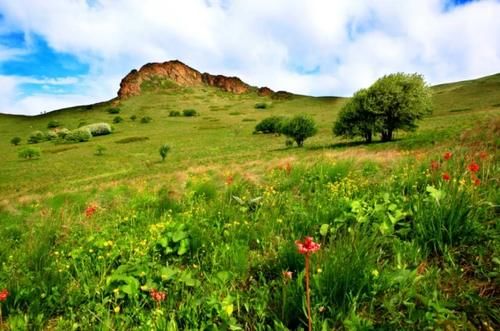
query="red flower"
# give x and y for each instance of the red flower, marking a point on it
(435, 165)
(288, 275)
(229, 180)
(473, 167)
(91, 209)
(4, 295)
(483, 155)
(446, 176)
(447, 155)
(158, 296)
(308, 246)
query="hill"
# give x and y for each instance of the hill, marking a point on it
(220, 135)
(226, 233)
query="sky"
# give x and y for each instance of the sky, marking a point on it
(61, 53)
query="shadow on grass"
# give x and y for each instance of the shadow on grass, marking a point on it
(340, 145)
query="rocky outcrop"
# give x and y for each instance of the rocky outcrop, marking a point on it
(265, 92)
(179, 73)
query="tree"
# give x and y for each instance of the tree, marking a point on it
(356, 118)
(29, 153)
(164, 149)
(299, 128)
(393, 102)
(15, 141)
(398, 101)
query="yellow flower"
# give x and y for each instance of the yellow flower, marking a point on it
(117, 309)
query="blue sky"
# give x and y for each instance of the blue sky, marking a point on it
(59, 53)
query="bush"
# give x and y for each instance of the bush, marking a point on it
(53, 124)
(51, 135)
(299, 128)
(61, 133)
(261, 105)
(117, 119)
(36, 137)
(174, 113)
(114, 110)
(99, 150)
(189, 112)
(78, 135)
(271, 124)
(146, 119)
(29, 153)
(98, 129)
(15, 141)
(164, 149)
(133, 118)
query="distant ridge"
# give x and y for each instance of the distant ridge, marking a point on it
(183, 75)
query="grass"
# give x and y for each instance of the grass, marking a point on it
(86, 238)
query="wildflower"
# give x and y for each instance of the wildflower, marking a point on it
(158, 296)
(90, 210)
(435, 165)
(446, 176)
(4, 295)
(308, 246)
(483, 155)
(447, 155)
(229, 180)
(287, 275)
(473, 167)
(476, 181)
(117, 309)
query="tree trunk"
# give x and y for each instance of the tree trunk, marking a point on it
(387, 135)
(368, 137)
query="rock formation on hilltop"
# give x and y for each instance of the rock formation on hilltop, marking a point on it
(179, 73)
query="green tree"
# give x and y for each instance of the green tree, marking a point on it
(15, 141)
(398, 101)
(356, 118)
(271, 124)
(299, 128)
(394, 102)
(164, 149)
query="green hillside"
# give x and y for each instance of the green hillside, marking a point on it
(221, 135)
(404, 234)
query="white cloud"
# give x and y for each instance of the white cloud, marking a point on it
(262, 41)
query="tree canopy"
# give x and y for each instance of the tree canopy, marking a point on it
(393, 102)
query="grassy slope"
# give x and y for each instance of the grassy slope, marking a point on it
(221, 135)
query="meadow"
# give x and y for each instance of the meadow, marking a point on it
(206, 240)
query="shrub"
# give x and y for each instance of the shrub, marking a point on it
(36, 137)
(53, 124)
(29, 153)
(99, 150)
(15, 141)
(289, 143)
(174, 113)
(271, 124)
(98, 129)
(133, 118)
(146, 119)
(299, 128)
(164, 149)
(261, 105)
(51, 135)
(189, 112)
(61, 133)
(117, 119)
(78, 135)
(114, 110)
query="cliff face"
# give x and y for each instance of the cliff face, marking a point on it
(180, 74)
